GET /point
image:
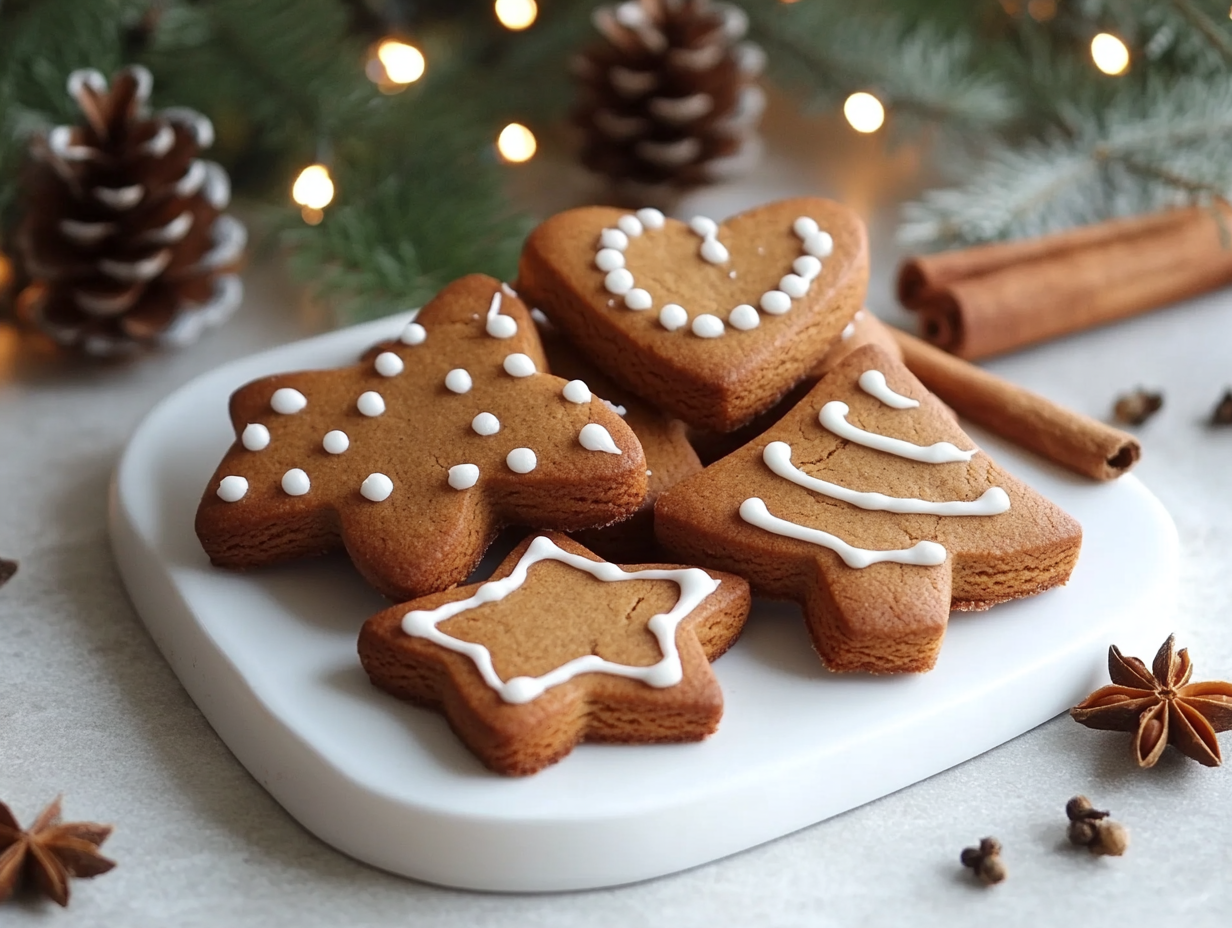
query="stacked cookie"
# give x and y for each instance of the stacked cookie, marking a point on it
(838, 481)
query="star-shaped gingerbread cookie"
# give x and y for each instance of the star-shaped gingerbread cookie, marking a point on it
(713, 323)
(869, 506)
(561, 647)
(414, 458)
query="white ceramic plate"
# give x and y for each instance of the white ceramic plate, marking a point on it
(270, 659)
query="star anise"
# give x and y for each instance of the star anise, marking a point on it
(49, 852)
(1160, 708)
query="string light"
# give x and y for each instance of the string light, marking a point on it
(516, 143)
(313, 190)
(864, 112)
(516, 15)
(1109, 53)
(403, 63)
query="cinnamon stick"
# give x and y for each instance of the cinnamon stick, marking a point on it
(982, 301)
(1077, 442)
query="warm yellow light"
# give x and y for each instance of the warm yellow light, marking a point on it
(311, 216)
(313, 188)
(516, 143)
(404, 64)
(864, 112)
(516, 14)
(1110, 54)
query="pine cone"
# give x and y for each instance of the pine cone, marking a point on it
(670, 98)
(124, 236)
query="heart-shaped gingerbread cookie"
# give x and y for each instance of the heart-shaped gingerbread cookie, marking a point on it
(711, 322)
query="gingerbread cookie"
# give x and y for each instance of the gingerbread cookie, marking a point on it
(415, 457)
(669, 456)
(711, 323)
(869, 506)
(561, 647)
(864, 329)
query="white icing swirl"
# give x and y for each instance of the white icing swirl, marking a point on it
(777, 456)
(874, 384)
(922, 554)
(833, 416)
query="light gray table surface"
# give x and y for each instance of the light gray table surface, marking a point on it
(88, 707)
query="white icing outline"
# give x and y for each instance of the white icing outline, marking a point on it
(777, 456)
(833, 416)
(694, 583)
(873, 382)
(618, 279)
(922, 554)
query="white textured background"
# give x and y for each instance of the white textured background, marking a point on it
(89, 708)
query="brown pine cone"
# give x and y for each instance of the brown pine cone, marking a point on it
(669, 99)
(124, 236)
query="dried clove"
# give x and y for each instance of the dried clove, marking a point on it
(7, 569)
(1136, 407)
(985, 860)
(1091, 828)
(1222, 413)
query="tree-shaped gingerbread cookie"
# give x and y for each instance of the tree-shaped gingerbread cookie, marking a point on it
(414, 458)
(561, 647)
(870, 506)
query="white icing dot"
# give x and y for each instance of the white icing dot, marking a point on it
(295, 482)
(804, 227)
(650, 217)
(576, 391)
(502, 326)
(463, 476)
(673, 317)
(232, 489)
(703, 226)
(714, 251)
(521, 460)
(388, 364)
(540, 317)
(848, 330)
(708, 326)
(519, 365)
(370, 403)
(376, 488)
(256, 437)
(806, 266)
(508, 290)
(609, 259)
(639, 299)
(458, 380)
(618, 282)
(613, 238)
(595, 437)
(485, 424)
(413, 334)
(335, 441)
(614, 407)
(819, 244)
(775, 302)
(794, 286)
(287, 401)
(630, 226)
(744, 317)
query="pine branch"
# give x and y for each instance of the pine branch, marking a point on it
(828, 50)
(1207, 27)
(1140, 155)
